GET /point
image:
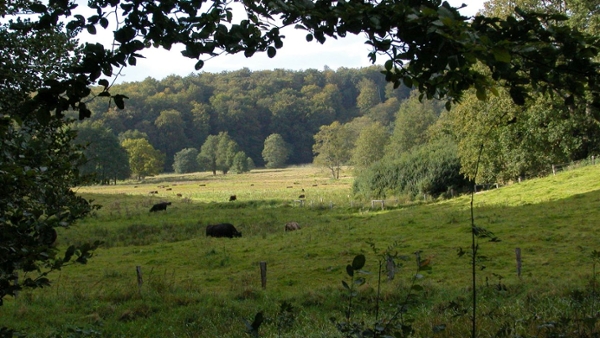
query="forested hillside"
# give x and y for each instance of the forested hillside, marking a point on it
(400, 142)
(180, 112)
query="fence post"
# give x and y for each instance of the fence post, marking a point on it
(263, 274)
(518, 256)
(140, 280)
(553, 170)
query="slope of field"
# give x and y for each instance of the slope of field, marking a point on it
(204, 287)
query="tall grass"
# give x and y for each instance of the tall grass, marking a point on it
(194, 286)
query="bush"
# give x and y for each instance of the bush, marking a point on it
(431, 169)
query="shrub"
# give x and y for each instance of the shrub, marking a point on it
(431, 169)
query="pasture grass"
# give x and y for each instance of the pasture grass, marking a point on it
(196, 286)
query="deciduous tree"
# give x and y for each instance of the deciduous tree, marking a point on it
(332, 147)
(239, 164)
(370, 146)
(39, 161)
(412, 121)
(144, 160)
(275, 152)
(186, 161)
(105, 157)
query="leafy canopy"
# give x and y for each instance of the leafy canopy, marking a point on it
(526, 48)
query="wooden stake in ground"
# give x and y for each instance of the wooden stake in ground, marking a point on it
(263, 274)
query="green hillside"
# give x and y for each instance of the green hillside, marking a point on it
(196, 286)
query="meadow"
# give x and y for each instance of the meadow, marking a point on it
(196, 286)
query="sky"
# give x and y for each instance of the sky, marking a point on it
(296, 54)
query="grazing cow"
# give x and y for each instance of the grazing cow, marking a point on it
(169, 189)
(179, 195)
(202, 185)
(153, 192)
(222, 230)
(160, 206)
(291, 226)
(289, 187)
(301, 196)
(232, 198)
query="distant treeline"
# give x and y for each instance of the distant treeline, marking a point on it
(399, 142)
(181, 112)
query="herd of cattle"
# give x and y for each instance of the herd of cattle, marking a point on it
(223, 229)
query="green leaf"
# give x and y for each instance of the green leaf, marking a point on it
(91, 29)
(104, 22)
(501, 55)
(517, 95)
(389, 64)
(103, 82)
(69, 253)
(358, 262)
(271, 51)
(119, 100)
(345, 285)
(309, 37)
(349, 270)
(480, 93)
(199, 65)
(37, 8)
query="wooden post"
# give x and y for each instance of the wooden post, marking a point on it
(553, 170)
(390, 267)
(263, 274)
(140, 280)
(330, 204)
(518, 254)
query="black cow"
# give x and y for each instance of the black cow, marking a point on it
(232, 198)
(222, 230)
(160, 206)
(301, 196)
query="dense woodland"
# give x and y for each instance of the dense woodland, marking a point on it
(340, 117)
(180, 112)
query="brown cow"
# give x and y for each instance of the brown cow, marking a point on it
(291, 226)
